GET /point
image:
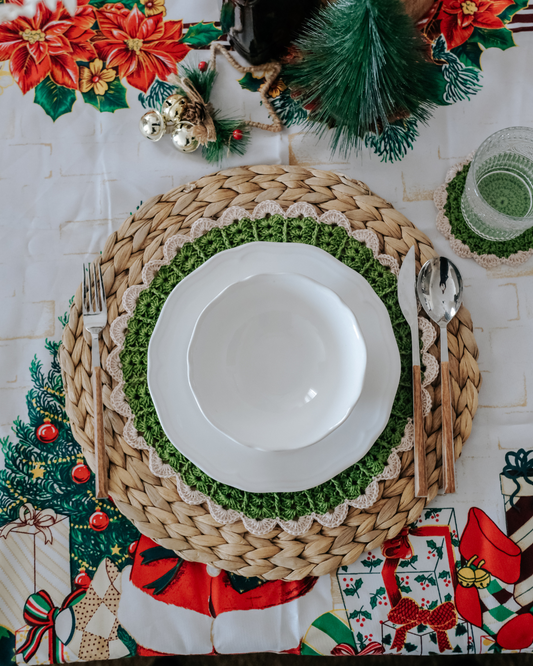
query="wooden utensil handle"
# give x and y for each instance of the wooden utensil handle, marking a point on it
(421, 481)
(448, 453)
(99, 440)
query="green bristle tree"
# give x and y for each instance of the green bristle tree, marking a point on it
(361, 65)
(44, 466)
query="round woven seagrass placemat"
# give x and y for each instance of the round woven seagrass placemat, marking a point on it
(153, 504)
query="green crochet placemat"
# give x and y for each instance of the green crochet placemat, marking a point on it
(350, 483)
(459, 229)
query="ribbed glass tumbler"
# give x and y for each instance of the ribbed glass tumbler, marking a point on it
(497, 201)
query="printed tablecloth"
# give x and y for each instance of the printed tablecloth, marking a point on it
(77, 581)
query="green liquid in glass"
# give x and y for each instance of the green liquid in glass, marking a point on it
(506, 192)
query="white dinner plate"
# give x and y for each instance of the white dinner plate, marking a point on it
(221, 457)
(276, 361)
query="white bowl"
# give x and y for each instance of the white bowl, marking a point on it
(276, 362)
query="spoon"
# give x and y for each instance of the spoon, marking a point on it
(440, 291)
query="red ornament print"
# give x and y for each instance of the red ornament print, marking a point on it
(47, 432)
(99, 521)
(80, 473)
(82, 580)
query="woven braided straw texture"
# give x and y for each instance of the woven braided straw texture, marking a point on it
(153, 504)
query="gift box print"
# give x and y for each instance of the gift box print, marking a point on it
(419, 564)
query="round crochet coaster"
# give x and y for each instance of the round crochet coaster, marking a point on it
(463, 241)
(154, 502)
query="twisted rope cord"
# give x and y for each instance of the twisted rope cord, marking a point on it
(271, 70)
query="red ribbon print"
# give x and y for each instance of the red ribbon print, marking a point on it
(408, 614)
(399, 548)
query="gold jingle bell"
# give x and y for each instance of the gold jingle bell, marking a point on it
(183, 139)
(152, 125)
(173, 108)
(466, 577)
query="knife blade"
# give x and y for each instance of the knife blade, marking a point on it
(409, 307)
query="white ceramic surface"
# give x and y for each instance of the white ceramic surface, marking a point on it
(218, 455)
(276, 361)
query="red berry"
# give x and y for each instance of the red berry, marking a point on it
(344, 579)
(237, 134)
(379, 602)
(202, 66)
(351, 578)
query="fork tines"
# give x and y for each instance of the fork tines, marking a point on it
(93, 293)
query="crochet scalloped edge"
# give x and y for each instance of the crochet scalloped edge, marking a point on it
(443, 225)
(119, 403)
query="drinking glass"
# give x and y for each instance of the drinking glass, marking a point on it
(497, 201)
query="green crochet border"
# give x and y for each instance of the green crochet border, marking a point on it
(350, 483)
(460, 229)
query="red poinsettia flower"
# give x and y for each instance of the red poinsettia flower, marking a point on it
(48, 43)
(458, 18)
(141, 47)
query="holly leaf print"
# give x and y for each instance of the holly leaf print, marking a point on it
(448, 597)
(360, 640)
(433, 605)
(490, 38)
(55, 100)
(387, 639)
(410, 647)
(425, 580)
(460, 630)
(433, 638)
(444, 575)
(377, 596)
(113, 99)
(469, 54)
(434, 548)
(408, 563)
(201, 34)
(370, 564)
(431, 513)
(353, 589)
(510, 11)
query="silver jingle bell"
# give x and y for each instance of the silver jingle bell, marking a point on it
(183, 139)
(173, 108)
(152, 125)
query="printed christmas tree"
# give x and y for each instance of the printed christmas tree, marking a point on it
(44, 467)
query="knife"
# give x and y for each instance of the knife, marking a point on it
(408, 305)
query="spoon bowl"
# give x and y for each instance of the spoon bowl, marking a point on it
(440, 290)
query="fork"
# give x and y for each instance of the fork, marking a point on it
(94, 320)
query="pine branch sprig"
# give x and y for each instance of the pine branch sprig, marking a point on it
(362, 65)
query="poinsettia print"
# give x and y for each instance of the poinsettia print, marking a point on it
(140, 47)
(458, 18)
(48, 44)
